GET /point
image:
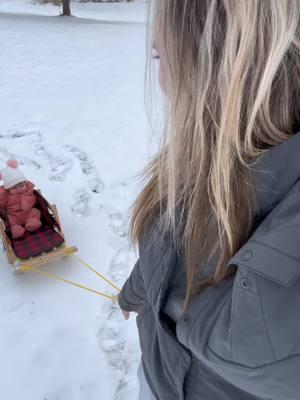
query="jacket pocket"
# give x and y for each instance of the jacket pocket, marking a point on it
(165, 359)
(259, 322)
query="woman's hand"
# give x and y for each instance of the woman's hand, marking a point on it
(126, 314)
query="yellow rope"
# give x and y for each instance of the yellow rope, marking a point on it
(57, 278)
(96, 272)
(52, 276)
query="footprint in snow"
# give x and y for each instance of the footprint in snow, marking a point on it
(118, 265)
(121, 354)
(80, 203)
(95, 183)
(118, 221)
(19, 134)
(59, 165)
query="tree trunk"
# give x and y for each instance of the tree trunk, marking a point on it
(66, 7)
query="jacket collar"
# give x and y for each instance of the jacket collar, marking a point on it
(274, 173)
(273, 249)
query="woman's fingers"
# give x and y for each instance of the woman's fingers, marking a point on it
(126, 314)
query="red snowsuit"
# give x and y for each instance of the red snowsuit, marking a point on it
(19, 205)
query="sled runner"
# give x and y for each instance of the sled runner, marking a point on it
(45, 245)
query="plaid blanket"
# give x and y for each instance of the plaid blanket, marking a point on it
(35, 243)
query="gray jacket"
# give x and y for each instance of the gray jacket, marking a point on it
(240, 340)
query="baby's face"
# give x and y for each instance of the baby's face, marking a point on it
(18, 188)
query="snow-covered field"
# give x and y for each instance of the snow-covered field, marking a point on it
(72, 113)
(127, 12)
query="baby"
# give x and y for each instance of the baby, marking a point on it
(18, 199)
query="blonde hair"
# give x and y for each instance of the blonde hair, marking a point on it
(234, 91)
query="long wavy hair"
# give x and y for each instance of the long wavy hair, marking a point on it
(232, 71)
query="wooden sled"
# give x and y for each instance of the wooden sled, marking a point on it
(45, 245)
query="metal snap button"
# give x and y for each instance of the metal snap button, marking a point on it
(187, 319)
(246, 283)
(247, 255)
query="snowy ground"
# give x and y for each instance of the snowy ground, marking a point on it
(72, 112)
(127, 12)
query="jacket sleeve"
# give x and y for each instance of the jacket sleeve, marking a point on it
(133, 294)
(3, 197)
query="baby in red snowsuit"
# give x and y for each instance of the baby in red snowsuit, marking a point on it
(18, 199)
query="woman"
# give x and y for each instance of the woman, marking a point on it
(217, 282)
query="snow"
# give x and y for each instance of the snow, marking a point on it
(72, 113)
(134, 12)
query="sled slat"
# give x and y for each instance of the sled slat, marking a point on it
(51, 256)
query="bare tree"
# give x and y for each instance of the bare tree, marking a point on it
(66, 7)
